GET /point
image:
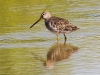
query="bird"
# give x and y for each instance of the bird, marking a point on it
(56, 25)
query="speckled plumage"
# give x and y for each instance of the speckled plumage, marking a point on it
(57, 25)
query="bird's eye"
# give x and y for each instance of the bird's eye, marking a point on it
(43, 14)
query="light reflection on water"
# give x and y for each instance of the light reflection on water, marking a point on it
(18, 41)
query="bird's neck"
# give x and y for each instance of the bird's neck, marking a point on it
(47, 19)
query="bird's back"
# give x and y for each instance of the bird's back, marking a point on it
(59, 25)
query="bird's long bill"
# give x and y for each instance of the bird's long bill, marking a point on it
(36, 22)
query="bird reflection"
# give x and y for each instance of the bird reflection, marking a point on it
(59, 52)
(56, 52)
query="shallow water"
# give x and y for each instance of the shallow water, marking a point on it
(23, 51)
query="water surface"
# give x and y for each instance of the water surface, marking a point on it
(23, 51)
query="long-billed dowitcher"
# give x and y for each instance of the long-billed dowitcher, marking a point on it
(56, 25)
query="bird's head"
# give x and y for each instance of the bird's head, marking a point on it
(45, 15)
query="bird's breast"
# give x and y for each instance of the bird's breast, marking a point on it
(51, 27)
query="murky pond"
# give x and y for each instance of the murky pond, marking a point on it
(25, 51)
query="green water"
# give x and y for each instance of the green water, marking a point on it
(23, 51)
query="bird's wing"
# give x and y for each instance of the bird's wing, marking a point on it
(61, 24)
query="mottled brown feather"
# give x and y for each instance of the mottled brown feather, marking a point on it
(60, 25)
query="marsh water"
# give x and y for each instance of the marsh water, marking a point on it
(36, 51)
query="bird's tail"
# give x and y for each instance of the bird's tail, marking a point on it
(75, 28)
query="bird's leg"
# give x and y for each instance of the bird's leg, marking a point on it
(65, 37)
(57, 37)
